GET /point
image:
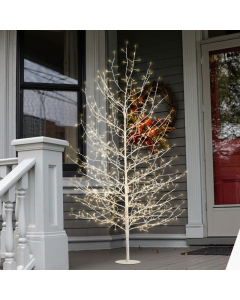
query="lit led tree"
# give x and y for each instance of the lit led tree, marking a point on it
(131, 170)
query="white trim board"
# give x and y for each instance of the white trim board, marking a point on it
(195, 226)
(118, 241)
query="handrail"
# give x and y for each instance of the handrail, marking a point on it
(9, 161)
(16, 174)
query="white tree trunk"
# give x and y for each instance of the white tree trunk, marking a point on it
(126, 186)
(127, 237)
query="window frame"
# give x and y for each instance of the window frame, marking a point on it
(69, 170)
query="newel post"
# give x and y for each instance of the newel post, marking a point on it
(46, 238)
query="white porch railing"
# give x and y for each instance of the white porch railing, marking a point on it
(12, 190)
(32, 184)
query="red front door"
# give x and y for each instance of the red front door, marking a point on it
(225, 109)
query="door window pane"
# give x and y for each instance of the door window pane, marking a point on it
(225, 102)
(50, 56)
(52, 114)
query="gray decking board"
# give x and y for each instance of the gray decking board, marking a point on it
(196, 264)
(213, 263)
(219, 267)
(184, 262)
(165, 259)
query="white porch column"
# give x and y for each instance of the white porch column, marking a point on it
(46, 238)
(8, 61)
(194, 228)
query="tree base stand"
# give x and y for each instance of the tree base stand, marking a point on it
(130, 262)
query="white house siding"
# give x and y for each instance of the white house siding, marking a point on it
(164, 50)
(78, 227)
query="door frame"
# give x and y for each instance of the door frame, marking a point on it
(192, 40)
(212, 209)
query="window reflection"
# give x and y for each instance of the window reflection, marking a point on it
(52, 114)
(50, 56)
(225, 101)
(225, 93)
(34, 72)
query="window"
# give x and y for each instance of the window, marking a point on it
(50, 80)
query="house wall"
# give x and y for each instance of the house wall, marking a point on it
(77, 227)
(164, 50)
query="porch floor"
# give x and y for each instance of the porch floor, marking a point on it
(151, 259)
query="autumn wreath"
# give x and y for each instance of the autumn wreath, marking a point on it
(145, 130)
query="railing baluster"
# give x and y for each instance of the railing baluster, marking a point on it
(23, 255)
(3, 232)
(2, 249)
(16, 235)
(10, 263)
(23, 252)
(4, 170)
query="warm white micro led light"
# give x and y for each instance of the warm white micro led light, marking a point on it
(128, 194)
